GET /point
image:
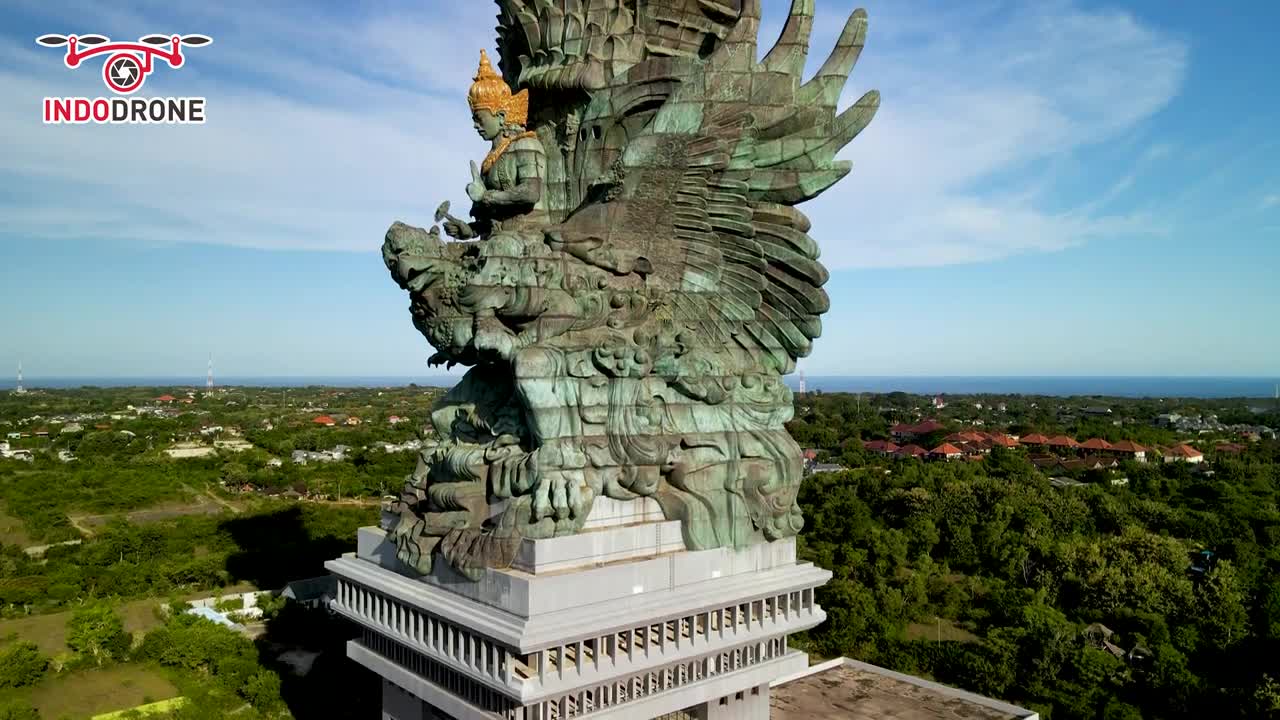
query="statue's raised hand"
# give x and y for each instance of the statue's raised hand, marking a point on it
(476, 189)
(458, 230)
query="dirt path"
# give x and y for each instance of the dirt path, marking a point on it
(200, 503)
(84, 529)
(210, 494)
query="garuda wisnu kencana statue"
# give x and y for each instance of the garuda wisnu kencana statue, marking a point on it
(634, 279)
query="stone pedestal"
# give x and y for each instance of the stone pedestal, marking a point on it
(620, 621)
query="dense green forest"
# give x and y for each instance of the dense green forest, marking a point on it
(215, 671)
(1159, 599)
(266, 548)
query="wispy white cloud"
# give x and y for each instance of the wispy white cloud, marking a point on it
(991, 98)
(1269, 201)
(298, 152)
(322, 133)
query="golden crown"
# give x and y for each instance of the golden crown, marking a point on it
(490, 92)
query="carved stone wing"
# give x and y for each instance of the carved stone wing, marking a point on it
(705, 158)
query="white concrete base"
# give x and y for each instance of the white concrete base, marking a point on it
(607, 512)
(617, 622)
(599, 547)
(743, 696)
(643, 562)
(749, 704)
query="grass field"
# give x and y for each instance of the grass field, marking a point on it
(87, 693)
(946, 630)
(156, 513)
(49, 632)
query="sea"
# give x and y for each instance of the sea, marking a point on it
(1061, 386)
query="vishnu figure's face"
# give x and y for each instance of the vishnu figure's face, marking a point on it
(488, 124)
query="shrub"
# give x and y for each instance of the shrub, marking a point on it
(96, 632)
(22, 665)
(262, 690)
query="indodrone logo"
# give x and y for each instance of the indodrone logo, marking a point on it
(124, 71)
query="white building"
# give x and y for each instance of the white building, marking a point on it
(23, 455)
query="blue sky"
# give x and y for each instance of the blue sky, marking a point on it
(1049, 188)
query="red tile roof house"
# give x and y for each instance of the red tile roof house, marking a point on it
(884, 447)
(966, 436)
(1183, 453)
(324, 420)
(1095, 444)
(166, 398)
(1077, 465)
(1130, 450)
(1034, 439)
(974, 448)
(1003, 441)
(1230, 448)
(1045, 462)
(1090, 463)
(907, 432)
(908, 451)
(1062, 442)
(946, 451)
(929, 426)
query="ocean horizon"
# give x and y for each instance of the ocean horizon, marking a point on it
(1059, 386)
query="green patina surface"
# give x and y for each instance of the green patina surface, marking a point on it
(634, 280)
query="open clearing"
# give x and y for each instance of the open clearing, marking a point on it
(49, 632)
(934, 631)
(201, 505)
(86, 693)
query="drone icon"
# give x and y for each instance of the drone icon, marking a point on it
(128, 63)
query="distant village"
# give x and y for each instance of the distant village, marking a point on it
(207, 440)
(975, 439)
(1056, 455)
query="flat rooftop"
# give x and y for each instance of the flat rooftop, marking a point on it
(858, 691)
